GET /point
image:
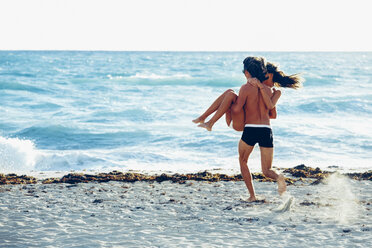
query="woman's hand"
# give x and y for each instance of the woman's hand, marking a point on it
(277, 92)
(255, 82)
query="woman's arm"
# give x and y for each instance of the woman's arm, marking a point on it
(276, 95)
(274, 99)
(270, 102)
(272, 113)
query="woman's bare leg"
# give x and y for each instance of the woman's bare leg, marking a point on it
(215, 105)
(238, 119)
(228, 99)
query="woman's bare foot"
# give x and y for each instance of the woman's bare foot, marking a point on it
(206, 126)
(198, 120)
(282, 186)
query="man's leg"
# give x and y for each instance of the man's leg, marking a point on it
(244, 152)
(267, 154)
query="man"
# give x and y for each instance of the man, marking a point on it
(258, 102)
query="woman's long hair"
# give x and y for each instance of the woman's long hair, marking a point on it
(282, 80)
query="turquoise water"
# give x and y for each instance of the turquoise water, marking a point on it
(133, 110)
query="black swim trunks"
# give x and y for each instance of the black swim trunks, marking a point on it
(261, 135)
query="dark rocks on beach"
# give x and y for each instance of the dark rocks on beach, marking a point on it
(317, 181)
(361, 176)
(74, 178)
(163, 177)
(306, 172)
(308, 203)
(240, 221)
(71, 186)
(303, 171)
(299, 172)
(14, 179)
(97, 201)
(259, 176)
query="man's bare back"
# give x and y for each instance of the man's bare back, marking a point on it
(255, 109)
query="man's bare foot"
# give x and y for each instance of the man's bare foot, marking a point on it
(282, 186)
(206, 126)
(252, 199)
(198, 120)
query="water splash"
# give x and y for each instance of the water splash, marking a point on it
(288, 200)
(17, 155)
(341, 202)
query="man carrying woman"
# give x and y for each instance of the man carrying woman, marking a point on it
(250, 112)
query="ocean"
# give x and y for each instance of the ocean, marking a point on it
(103, 111)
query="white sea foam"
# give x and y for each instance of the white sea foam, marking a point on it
(21, 156)
(17, 154)
(157, 76)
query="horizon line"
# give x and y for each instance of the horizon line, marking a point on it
(180, 51)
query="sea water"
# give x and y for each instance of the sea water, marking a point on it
(75, 110)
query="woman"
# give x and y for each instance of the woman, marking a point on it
(254, 69)
(225, 102)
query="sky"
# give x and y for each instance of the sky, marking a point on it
(186, 25)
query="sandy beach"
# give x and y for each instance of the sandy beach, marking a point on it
(333, 213)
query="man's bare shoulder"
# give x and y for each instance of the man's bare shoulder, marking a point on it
(248, 89)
